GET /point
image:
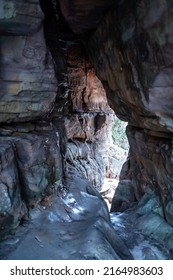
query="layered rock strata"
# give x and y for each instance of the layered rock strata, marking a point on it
(31, 160)
(89, 121)
(131, 50)
(134, 62)
(53, 109)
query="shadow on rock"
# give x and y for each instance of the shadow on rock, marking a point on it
(75, 225)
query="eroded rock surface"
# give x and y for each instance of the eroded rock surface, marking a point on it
(68, 229)
(88, 123)
(131, 51)
(30, 164)
(53, 109)
(54, 112)
(28, 86)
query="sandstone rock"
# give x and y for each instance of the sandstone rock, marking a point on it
(30, 165)
(87, 148)
(133, 60)
(135, 64)
(116, 156)
(88, 160)
(77, 227)
(28, 86)
(87, 92)
(89, 120)
(39, 163)
(12, 207)
(154, 157)
(130, 51)
(18, 18)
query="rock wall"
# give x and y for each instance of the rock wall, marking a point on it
(81, 101)
(28, 86)
(53, 109)
(30, 154)
(54, 113)
(132, 53)
(88, 123)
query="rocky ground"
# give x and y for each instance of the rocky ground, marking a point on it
(76, 224)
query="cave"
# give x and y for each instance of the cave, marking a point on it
(68, 70)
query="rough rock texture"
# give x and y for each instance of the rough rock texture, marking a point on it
(88, 123)
(15, 21)
(53, 108)
(76, 226)
(131, 50)
(28, 86)
(58, 94)
(30, 166)
(12, 209)
(153, 166)
(31, 159)
(133, 59)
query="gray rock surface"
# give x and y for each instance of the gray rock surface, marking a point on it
(74, 225)
(133, 59)
(30, 164)
(54, 112)
(17, 21)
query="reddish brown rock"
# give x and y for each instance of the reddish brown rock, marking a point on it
(89, 120)
(86, 90)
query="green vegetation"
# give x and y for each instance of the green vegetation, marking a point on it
(119, 134)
